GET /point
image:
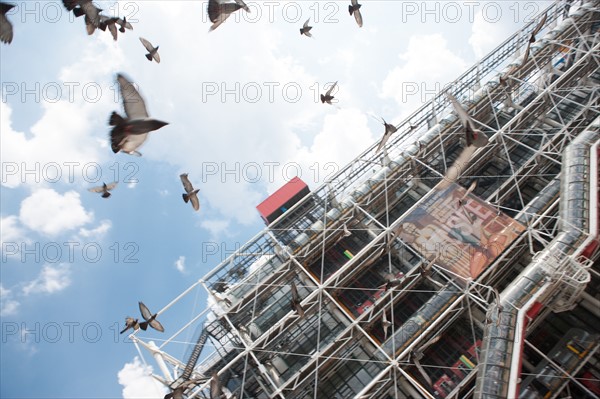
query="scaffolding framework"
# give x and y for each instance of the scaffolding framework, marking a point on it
(426, 336)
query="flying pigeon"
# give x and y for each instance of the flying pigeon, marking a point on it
(514, 68)
(130, 322)
(129, 133)
(474, 137)
(296, 301)
(347, 232)
(305, 30)
(123, 24)
(177, 393)
(537, 29)
(461, 201)
(87, 8)
(110, 23)
(6, 28)
(386, 325)
(150, 319)
(218, 11)
(355, 9)
(327, 97)
(389, 130)
(104, 189)
(216, 388)
(152, 51)
(190, 193)
(392, 281)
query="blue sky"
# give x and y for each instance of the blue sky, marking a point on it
(244, 118)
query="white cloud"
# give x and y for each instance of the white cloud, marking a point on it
(98, 232)
(180, 264)
(137, 382)
(428, 65)
(51, 213)
(11, 231)
(50, 280)
(8, 306)
(216, 227)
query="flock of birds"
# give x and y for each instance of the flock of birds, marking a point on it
(130, 131)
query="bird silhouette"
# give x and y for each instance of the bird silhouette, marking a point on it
(461, 201)
(305, 30)
(219, 11)
(327, 97)
(87, 8)
(150, 319)
(123, 24)
(152, 51)
(386, 324)
(392, 281)
(190, 193)
(537, 28)
(130, 322)
(216, 388)
(6, 28)
(473, 136)
(104, 189)
(110, 23)
(130, 133)
(389, 130)
(355, 9)
(296, 301)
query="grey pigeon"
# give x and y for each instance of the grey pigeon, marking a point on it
(104, 189)
(461, 201)
(87, 8)
(392, 281)
(123, 24)
(150, 319)
(190, 193)
(473, 136)
(537, 28)
(386, 325)
(130, 322)
(327, 97)
(110, 23)
(152, 51)
(305, 30)
(296, 301)
(130, 133)
(389, 130)
(219, 11)
(355, 9)
(216, 388)
(6, 28)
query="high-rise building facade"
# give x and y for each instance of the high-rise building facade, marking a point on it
(435, 268)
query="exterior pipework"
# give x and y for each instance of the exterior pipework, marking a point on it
(502, 340)
(539, 202)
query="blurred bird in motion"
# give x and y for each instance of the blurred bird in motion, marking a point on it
(6, 28)
(219, 11)
(296, 301)
(354, 9)
(87, 8)
(129, 133)
(389, 130)
(327, 97)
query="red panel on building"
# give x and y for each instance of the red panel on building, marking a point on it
(282, 200)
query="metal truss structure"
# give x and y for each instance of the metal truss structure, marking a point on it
(383, 318)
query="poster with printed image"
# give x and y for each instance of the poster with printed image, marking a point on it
(462, 238)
